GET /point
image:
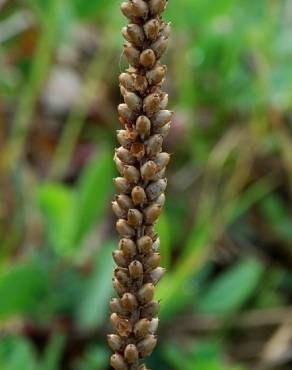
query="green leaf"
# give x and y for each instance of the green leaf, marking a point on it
(93, 307)
(93, 192)
(21, 288)
(17, 353)
(53, 352)
(56, 202)
(232, 289)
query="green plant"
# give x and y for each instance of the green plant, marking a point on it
(141, 187)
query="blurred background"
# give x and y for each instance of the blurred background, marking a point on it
(227, 228)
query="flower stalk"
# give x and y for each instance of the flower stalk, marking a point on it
(141, 163)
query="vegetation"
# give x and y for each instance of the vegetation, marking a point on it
(226, 229)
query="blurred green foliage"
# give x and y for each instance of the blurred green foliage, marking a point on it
(226, 232)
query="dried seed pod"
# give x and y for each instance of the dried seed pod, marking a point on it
(151, 213)
(131, 353)
(138, 151)
(144, 244)
(118, 211)
(163, 131)
(127, 81)
(133, 101)
(142, 327)
(143, 126)
(140, 8)
(163, 101)
(161, 118)
(125, 155)
(152, 28)
(155, 275)
(155, 189)
(124, 202)
(148, 170)
(135, 217)
(150, 231)
(160, 200)
(134, 34)
(116, 306)
(138, 195)
(122, 275)
(159, 175)
(162, 160)
(146, 345)
(127, 10)
(133, 55)
(123, 137)
(136, 269)
(129, 302)
(156, 75)
(120, 258)
(131, 174)
(154, 145)
(124, 229)
(118, 287)
(119, 164)
(123, 326)
(151, 104)
(118, 363)
(153, 325)
(141, 83)
(126, 113)
(122, 185)
(147, 58)
(152, 262)
(156, 245)
(150, 310)
(166, 30)
(159, 46)
(115, 342)
(146, 293)
(157, 6)
(128, 247)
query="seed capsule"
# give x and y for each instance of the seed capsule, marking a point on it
(128, 247)
(134, 34)
(150, 310)
(135, 217)
(126, 113)
(146, 293)
(143, 126)
(141, 83)
(155, 189)
(151, 104)
(127, 81)
(118, 211)
(126, 8)
(120, 259)
(118, 363)
(141, 328)
(162, 160)
(159, 175)
(133, 55)
(150, 231)
(160, 200)
(125, 155)
(131, 174)
(166, 30)
(122, 275)
(144, 244)
(138, 151)
(147, 58)
(124, 229)
(131, 353)
(140, 8)
(151, 213)
(118, 287)
(163, 131)
(129, 302)
(155, 275)
(161, 118)
(133, 101)
(136, 269)
(119, 164)
(123, 137)
(159, 46)
(122, 326)
(121, 185)
(124, 201)
(154, 145)
(138, 195)
(116, 306)
(152, 261)
(146, 345)
(156, 245)
(157, 6)
(156, 75)
(148, 170)
(151, 29)
(163, 101)
(115, 342)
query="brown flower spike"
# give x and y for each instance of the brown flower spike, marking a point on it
(141, 184)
